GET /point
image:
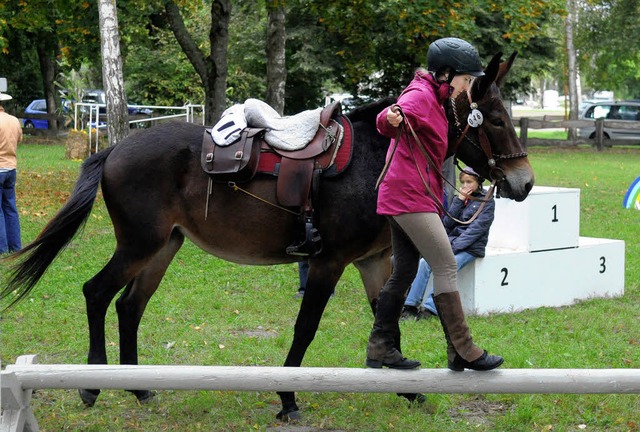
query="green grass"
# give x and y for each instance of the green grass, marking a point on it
(209, 312)
(553, 134)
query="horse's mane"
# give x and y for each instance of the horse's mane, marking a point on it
(368, 112)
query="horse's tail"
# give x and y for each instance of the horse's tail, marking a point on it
(35, 258)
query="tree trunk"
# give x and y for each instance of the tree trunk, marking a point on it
(213, 69)
(573, 68)
(276, 61)
(112, 75)
(47, 51)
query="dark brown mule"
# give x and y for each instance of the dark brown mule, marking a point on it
(154, 189)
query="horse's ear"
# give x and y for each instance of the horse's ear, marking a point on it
(504, 68)
(490, 75)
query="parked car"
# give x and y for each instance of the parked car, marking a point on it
(99, 97)
(39, 106)
(626, 111)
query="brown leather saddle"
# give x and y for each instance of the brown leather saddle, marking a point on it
(298, 171)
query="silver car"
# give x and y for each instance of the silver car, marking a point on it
(612, 110)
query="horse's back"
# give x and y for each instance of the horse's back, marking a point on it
(153, 183)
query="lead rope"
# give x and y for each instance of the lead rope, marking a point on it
(437, 200)
(393, 151)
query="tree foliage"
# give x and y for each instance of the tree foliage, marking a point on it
(44, 33)
(607, 42)
(382, 43)
(368, 48)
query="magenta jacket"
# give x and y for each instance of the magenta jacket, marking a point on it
(402, 190)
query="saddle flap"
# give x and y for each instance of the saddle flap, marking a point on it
(294, 181)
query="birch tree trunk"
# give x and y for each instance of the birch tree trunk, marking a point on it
(276, 60)
(112, 76)
(572, 64)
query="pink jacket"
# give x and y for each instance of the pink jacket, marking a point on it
(402, 190)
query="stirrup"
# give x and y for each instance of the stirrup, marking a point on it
(311, 245)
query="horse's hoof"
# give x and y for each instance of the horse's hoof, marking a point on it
(89, 397)
(144, 396)
(289, 416)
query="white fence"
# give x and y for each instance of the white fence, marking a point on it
(20, 379)
(89, 114)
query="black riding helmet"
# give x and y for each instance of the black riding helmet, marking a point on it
(456, 54)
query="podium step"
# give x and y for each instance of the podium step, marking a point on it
(509, 280)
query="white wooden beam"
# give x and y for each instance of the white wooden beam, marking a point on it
(349, 380)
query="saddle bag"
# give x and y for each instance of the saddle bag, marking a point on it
(236, 162)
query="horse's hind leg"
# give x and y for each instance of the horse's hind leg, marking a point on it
(133, 301)
(374, 271)
(99, 291)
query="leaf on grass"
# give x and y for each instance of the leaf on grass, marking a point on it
(169, 345)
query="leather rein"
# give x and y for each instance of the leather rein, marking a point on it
(474, 120)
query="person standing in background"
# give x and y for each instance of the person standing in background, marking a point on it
(10, 136)
(303, 273)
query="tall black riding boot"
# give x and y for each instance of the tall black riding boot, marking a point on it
(462, 353)
(385, 335)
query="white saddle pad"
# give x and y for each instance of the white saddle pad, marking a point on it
(285, 133)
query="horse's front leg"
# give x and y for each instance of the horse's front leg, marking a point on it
(322, 280)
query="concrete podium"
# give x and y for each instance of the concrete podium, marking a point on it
(535, 257)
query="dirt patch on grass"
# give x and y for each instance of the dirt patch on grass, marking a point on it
(478, 411)
(294, 428)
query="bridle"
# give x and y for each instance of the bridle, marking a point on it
(475, 120)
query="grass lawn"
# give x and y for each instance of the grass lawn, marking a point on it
(210, 312)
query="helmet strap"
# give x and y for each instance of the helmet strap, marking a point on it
(452, 74)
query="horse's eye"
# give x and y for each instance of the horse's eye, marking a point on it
(497, 122)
